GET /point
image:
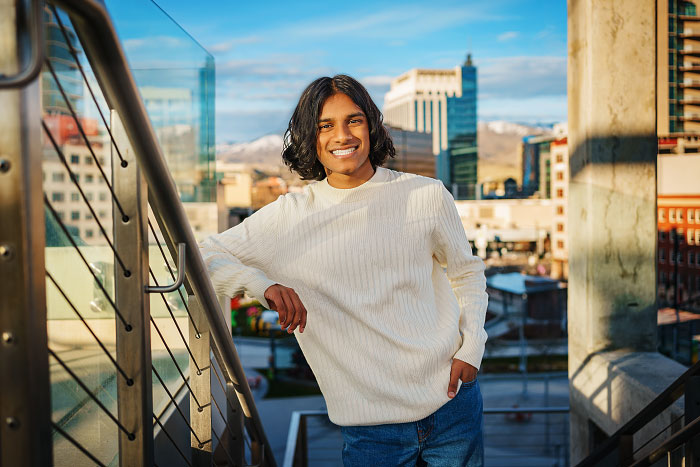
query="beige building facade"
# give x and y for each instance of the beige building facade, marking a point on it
(417, 101)
(559, 154)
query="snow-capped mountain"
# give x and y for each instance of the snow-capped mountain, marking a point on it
(264, 150)
(511, 128)
(498, 148)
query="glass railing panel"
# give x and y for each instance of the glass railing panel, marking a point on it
(80, 261)
(175, 76)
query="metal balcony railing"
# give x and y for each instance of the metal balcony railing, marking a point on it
(678, 442)
(523, 436)
(96, 369)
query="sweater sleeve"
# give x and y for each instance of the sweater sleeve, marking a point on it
(236, 258)
(466, 275)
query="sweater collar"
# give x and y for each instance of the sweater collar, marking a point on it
(342, 195)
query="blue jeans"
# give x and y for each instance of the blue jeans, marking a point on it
(452, 437)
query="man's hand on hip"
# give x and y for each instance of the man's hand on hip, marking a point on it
(460, 370)
(287, 304)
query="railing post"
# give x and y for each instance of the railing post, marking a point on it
(301, 455)
(692, 411)
(200, 382)
(625, 450)
(134, 396)
(234, 413)
(25, 408)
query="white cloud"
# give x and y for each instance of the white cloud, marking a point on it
(154, 41)
(508, 35)
(522, 77)
(396, 23)
(226, 46)
(531, 110)
(378, 80)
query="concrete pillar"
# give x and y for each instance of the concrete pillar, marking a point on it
(612, 211)
(612, 197)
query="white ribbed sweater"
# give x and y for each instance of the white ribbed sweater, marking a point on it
(384, 321)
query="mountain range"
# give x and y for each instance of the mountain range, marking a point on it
(498, 149)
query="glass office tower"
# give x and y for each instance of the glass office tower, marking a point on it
(441, 102)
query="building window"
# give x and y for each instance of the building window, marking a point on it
(74, 159)
(691, 237)
(679, 213)
(662, 236)
(560, 193)
(662, 255)
(88, 160)
(691, 216)
(88, 216)
(102, 214)
(697, 236)
(89, 196)
(74, 197)
(89, 178)
(672, 215)
(58, 176)
(560, 244)
(560, 209)
(103, 196)
(662, 215)
(560, 158)
(671, 259)
(89, 233)
(662, 277)
(74, 215)
(57, 197)
(681, 236)
(680, 258)
(560, 175)
(691, 258)
(560, 227)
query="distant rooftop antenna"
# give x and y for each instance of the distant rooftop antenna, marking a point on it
(468, 61)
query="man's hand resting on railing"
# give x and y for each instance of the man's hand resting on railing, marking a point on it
(287, 304)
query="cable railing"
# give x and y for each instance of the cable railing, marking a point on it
(129, 375)
(678, 441)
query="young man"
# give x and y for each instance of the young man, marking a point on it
(354, 266)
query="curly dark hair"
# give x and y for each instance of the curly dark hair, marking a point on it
(299, 151)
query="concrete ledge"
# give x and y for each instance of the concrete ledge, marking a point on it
(610, 388)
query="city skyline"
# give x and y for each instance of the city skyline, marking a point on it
(266, 54)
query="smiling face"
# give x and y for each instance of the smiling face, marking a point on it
(342, 142)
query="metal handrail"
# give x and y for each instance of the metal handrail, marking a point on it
(672, 393)
(181, 267)
(103, 50)
(675, 441)
(33, 11)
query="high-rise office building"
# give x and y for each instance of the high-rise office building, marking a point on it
(536, 165)
(414, 152)
(678, 58)
(441, 102)
(58, 46)
(678, 131)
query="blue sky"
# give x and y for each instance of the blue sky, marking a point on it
(266, 51)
